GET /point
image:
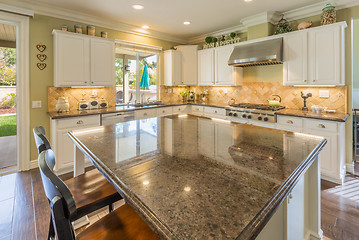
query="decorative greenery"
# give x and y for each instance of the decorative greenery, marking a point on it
(214, 40)
(282, 27)
(9, 102)
(233, 34)
(7, 66)
(184, 93)
(208, 39)
(7, 125)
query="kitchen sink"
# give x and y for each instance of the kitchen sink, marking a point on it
(150, 104)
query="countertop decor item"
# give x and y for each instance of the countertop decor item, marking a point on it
(283, 26)
(93, 102)
(91, 30)
(305, 94)
(62, 104)
(304, 25)
(329, 15)
(77, 28)
(103, 103)
(275, 102)
(184, 95)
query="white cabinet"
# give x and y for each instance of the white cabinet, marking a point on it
(181, 109)
(164, 111)
(81, 60)
(172, 68)
(102, 62)
(145, 113)
(315, 56)
(332, 157)
(213, 68)
(206, 67)
(62, 145)
(189, 64)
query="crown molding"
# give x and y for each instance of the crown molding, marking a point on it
(264, 17)
(62, 13)
(16, 10)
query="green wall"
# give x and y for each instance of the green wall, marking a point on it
(41, 33)
(259, 31)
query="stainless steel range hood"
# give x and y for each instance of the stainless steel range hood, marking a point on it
(256, 54)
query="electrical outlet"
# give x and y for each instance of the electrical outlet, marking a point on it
(94, 93)
(36, 104)
(324, 93)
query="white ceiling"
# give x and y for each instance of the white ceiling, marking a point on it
(167, 16)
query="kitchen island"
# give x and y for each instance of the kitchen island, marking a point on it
(197, 178)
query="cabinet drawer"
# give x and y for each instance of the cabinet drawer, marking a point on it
(164, 111)
(290, 121)
(197, 109)
(85, 121)
(320, 125)
(182, 109)
(215, 110)
(148, 113)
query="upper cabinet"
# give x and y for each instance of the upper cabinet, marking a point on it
(82, 60)
(315, 56)
(213, 69)
(180, 66)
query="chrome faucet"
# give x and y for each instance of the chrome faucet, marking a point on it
(141, 98)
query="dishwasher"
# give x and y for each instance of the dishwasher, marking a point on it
(113, 118)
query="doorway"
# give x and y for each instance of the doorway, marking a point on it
(8, 120)
(355, 93)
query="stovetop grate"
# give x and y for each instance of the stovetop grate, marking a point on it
(257, 106)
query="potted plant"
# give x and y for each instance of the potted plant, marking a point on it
(184, 95)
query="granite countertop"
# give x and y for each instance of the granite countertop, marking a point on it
(124, 108)
(339, 117)
(170, 173)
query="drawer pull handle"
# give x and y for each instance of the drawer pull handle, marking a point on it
(145, 114)
(80, 122)
(163, 111)
(305, 80)
(290, 121)
(215, 111)
(321, 125)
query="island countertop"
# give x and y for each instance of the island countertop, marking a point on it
(195, 178)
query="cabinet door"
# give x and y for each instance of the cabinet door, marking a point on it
(295, 66)
(324, 56)
(172, 68)
(206, 67)
(224, 74)
(206, 138)
(189, 64)
(72, 60)
(64, 151)
(102, 62)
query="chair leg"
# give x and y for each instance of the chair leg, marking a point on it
(51, 235)
(110, 207)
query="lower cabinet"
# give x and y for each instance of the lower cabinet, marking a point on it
(145, 113)
(332, 157)
(62, 145)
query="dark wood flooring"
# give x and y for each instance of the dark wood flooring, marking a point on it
(24, 209)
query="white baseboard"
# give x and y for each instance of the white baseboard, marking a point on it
(350, 167)
(332, 179)
(34, 164)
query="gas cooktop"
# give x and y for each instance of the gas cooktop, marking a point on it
(256, 106)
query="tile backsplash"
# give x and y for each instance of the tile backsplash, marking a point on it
(74, 95)
(260, 92)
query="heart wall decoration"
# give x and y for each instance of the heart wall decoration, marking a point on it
(41, 66)
(41, 57)
(41, 47)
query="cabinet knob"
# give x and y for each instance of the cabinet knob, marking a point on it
(163, 111)
(290, 121)
(145, 114)
(91, 82)
(290, 197)
(85, 82)
(321, 125)
(80, 122)
(215, 111)
(313, 80)
(305, 80)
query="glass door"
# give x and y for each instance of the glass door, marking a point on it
(355, 93)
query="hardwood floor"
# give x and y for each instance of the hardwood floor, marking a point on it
(24, 209)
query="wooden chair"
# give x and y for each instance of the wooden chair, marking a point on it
(91, 191)
(123, 223)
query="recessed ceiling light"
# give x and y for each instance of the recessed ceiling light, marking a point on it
(145, 27)
(248, 0)
(138, 7)
(186, 22)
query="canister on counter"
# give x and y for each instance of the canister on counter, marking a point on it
(104, 34)
(91, 30)
(77, 28)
